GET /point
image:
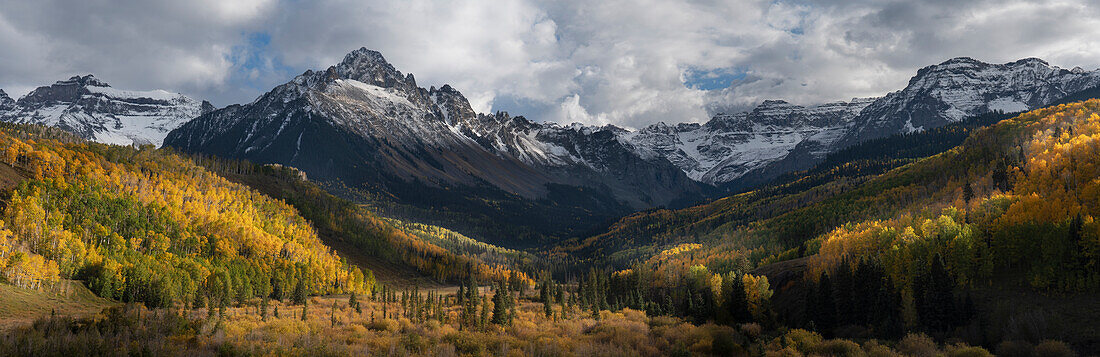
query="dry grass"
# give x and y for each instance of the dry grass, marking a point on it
(20, 306)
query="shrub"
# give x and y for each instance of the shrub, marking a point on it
(1014, 349)
(962, 350)
(1051, 348)
(382, 325)
(839, 347)
(874, 349)
(802, 340)
(918, 345)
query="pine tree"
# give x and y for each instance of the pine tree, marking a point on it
(263, 308)
(736, 302)
(332, 314)
(544, 294)
(299, 296)
(500, 306)
(276, 314)
(199, 301)
(305, 305)
(825, 312)
(469, 311)
(460, 297)
(353, 302)
(484, 321)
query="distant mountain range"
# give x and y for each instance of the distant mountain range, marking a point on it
(96, 111)
(366, 127)
(746, 149)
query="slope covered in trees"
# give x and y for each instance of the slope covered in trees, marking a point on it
(1012, 207)
(645, 233)
(370, 240)
(146, 226)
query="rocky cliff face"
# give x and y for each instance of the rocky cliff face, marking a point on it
(362, 122)
(964, 87)
(729, 146)
(6, 103)
(96, 111)
(747, 149)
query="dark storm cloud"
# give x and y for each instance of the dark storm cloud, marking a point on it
(629, 63)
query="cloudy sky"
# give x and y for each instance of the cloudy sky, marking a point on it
(629, 63)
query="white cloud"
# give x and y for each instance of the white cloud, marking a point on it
(615, 61)
(179, 45)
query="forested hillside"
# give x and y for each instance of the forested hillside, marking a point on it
(431, 251)
(145, 226)
(645, 233)
(933, 245)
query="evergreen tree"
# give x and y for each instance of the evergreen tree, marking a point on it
(332, 314)
(469, 311)
(500, 306)
(735, 300)
(305, 305)
(199, 302)
(824, 314)
(484, 321)
(299, 296)
(460, 297)
(544, 294)
(263, 308)
(353, 302)
(844, 293)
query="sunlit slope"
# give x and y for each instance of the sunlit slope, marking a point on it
(399, 253)
(148, 226)
(1006, 167)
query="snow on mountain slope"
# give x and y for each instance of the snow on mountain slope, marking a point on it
(777, 137)
(6, 103)
(728, 146)
(964, 87)
(363, 122)
(96, 111)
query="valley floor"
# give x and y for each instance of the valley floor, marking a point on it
(20, 307)
(332, 327)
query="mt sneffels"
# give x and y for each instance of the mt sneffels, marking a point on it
(365, 125)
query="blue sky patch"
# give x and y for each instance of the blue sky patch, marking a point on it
(712, 79)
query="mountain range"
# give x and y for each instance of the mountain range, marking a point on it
(370, 132)
(747, 149)
(96, 111)
(364, 125)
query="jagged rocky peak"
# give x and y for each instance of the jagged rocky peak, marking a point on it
(452, 103)
(63, 91)
(773, 103)
(6, 103)
(86, 80)
(368, 66)
(963, 87)
(94, 110)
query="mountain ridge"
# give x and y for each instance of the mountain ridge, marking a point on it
(791, 138)
(96, 111)
(365, 124)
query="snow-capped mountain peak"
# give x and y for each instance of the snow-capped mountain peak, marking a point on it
(368, 66)
(731, 145)
(96, 111)
(779, 136)
(6, 103)
(963, 87)
(401, 132)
